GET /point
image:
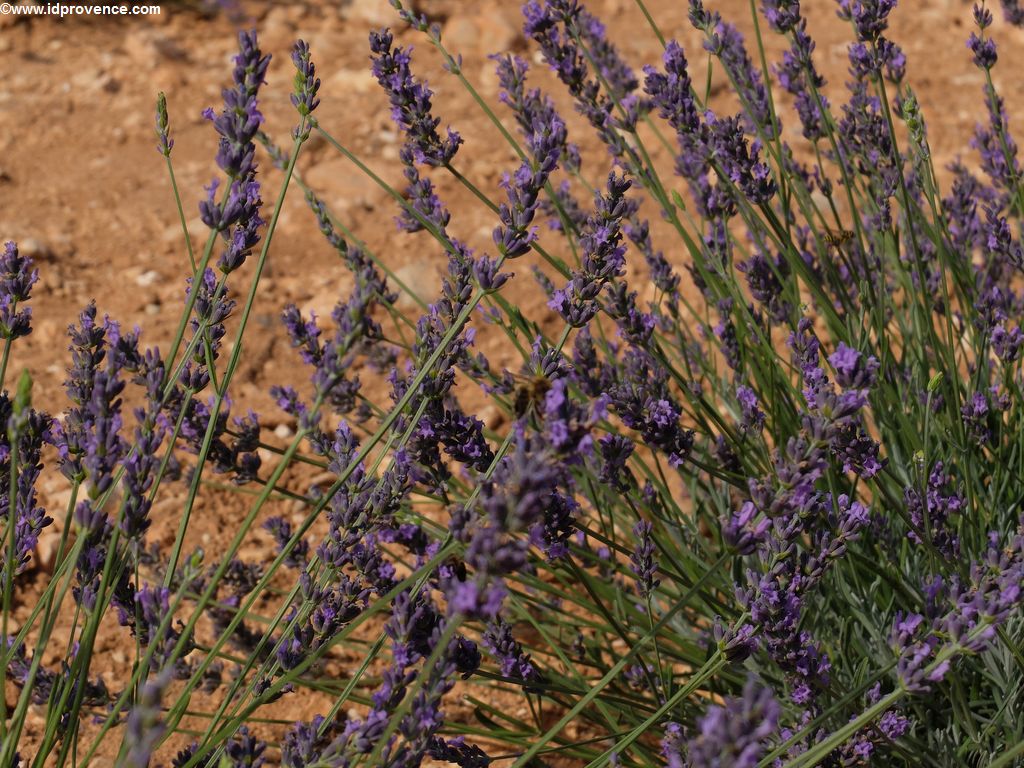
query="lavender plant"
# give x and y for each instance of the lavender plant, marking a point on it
(761, 507)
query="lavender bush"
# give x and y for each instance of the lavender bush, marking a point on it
(769, 515)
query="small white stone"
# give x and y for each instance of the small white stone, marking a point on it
(147, 278)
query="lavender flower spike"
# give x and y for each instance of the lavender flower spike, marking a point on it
(733, 735)
(16, 280)
(237, 218)
(410, 102)
(162, 126)
(304, 99)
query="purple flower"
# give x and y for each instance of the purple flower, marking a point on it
(1013, 12)
(513, 661)
(741, 533)
(16, 280)
(514, 236)
(304, 97)
(935, 516)
(237, 218)
(1007, 343)
(978, 417)
(735, 734)
(853, 370)
(782, 15)
(764, 278)
(521, 497)
(410, 102)
(144, 729)
(244, 750)
(281, 530)
(739, 160)
(964, 621)
(726, 42)
(615, 451)
(752, 415)
(984, 50)
(27, 430)
(798, 75)
(642, 560)
(531, 110)
(421, 196)
(672, 92)
(555, 27)
(996, 146)
(211, 308)
(331, 357)
(304, 743)
(457, 752)
(642, 400)
(603, 257)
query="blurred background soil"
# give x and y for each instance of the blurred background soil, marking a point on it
(85, 193)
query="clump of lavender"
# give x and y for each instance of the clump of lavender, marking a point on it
(726, 475)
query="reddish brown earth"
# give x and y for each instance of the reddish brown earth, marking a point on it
(83, 190)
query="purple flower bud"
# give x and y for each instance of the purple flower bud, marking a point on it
(16, 280)
(165, 143)
(304, 97)
(642, 560)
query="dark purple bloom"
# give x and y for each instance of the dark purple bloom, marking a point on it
(245, 750)
(935, 516)
(304, 743)
(603, 257)
(740, 160)
(27, 430)
(1013, 12)
(984, 50)
(978, 417)
(555, 27)
(725, 41)
(331, 357)
(742, 533)
(531, 109)
(672, 92)
(513, 661)
(521, 496)
(410, 102)
(964, 619)
(853, 370)
(642, 560)
(752, 416)
(870, 17)
(764, 278)
(798, 75)
(281, 530)
(782, 15)
(427, 206)
(736, 734)
(457, 752)
(615, 451)
(514, 236)
(1007, 343)
(16, 280)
